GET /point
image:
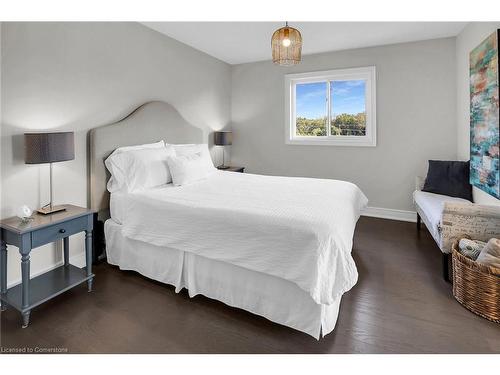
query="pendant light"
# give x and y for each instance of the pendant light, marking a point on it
(286, 44)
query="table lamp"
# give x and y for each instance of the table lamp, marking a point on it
(223, 138)
(40, 148)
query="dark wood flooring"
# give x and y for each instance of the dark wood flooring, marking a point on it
(399, 305)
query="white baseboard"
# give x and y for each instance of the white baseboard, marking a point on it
(78, 260)
(389, 213)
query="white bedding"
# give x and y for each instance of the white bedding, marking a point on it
(271, 297)
(117, 206)
(298, 229)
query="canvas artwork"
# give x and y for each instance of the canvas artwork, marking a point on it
(484, 116)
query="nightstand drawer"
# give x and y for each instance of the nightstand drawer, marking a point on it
(57, 231)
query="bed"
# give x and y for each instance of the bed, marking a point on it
(279, 247)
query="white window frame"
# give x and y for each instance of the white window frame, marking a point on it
(367, 73)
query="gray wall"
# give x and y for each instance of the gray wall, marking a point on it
(76, 76)
(470, 37)
(416, 112)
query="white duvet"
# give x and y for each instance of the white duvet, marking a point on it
(299, 229)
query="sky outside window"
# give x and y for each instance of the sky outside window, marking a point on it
(348, 110)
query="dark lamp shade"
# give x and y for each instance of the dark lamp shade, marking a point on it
(223, 138)
(48, 147)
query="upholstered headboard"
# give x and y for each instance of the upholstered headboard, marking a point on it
(151, 122)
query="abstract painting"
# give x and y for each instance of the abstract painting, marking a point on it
(484, 116)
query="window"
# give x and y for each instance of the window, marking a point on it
(335, 107)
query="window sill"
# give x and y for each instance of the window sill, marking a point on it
(306, 141)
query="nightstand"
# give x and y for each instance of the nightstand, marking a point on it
(233, 169)
(43, 229)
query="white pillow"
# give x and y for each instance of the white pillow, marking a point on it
(191, 149)
(141, 169)
(186, 169)
(114, 183)
(158, 144)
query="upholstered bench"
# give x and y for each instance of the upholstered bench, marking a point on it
(449, 218)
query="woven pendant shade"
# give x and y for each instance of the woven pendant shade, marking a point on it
(286, 44)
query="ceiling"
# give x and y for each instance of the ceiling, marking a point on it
(242, 42)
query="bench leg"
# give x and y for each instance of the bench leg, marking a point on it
(419, 222)
(446, 267)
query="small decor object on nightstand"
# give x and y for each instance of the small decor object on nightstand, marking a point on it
(24, 213)
(50, 148)
(223, 138)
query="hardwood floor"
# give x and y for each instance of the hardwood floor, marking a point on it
(400, 304)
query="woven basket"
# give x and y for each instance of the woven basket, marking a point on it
(476, 286)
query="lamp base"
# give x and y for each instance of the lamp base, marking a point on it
(223, 166)
(50, 210)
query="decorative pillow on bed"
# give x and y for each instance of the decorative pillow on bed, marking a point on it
(117, 178)
(141, 169)
(186, 169)
(192, 149)
(449, 178)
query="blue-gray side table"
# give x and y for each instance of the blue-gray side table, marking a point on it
(43, 229)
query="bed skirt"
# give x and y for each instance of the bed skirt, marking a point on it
(274, 298)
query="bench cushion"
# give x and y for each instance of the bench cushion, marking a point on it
(430, 207)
